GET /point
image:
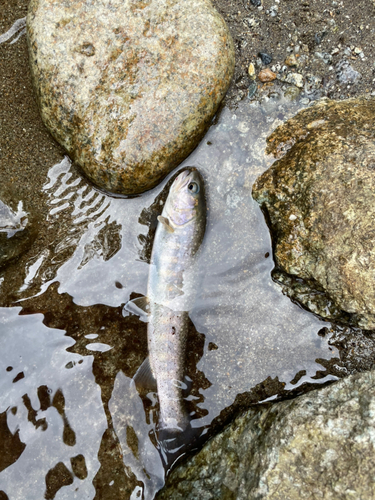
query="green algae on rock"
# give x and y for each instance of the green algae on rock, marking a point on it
(319, 445)
(128, 87)
(319, 198)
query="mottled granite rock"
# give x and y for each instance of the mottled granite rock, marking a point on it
(16, 232)
(128, 87)
(319, 198)
(320, 445)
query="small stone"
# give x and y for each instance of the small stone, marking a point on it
(256, 3)
(357, 50)
(291, 60)
(345, 73)
(250, 22)
(324, 56)
(293, 78)
(134, 84)
(266, 75)
(252, 89)
(335, 51)
(273, 11)
(319, 37)
(251, 70)
(265, 58)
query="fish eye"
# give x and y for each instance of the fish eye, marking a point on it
(193, 187)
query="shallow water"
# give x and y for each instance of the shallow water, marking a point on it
(72, 423)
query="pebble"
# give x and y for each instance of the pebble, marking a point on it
(251, 70)
(293, 78)
(253, 87)
(265, 58)
(324, 56)
(266, 75)
(291, 60)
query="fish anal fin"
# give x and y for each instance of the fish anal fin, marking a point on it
(139, 306)
(166, 223)
(144, 378)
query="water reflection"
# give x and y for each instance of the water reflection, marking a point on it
(51, 412)
(81, 424)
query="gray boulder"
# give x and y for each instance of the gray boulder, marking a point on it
(128, 87)
(320, 445)
(319, 198)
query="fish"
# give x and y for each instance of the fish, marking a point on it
(171, 291)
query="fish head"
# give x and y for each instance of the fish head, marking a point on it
(186, 199)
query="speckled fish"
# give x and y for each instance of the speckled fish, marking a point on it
(171, 291)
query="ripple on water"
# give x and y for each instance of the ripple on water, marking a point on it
(249, 332)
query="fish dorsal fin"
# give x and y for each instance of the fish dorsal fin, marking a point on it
(166, 223)
(139, 306)
(144, 378)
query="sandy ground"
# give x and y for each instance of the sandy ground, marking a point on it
(320, 34)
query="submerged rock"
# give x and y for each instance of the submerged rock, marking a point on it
(15, 233)
(128, 87)
(319, 445)
(320, 203)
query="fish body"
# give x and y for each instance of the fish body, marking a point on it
(171, 290)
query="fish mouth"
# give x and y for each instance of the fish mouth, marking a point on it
(183, 178)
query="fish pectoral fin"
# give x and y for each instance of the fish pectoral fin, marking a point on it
(166, 223)
(139, 306)
(144, 378)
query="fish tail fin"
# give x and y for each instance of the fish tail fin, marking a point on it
(176, 442)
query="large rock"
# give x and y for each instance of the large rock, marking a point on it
(320, 445)
(128, 87)
(320, 204)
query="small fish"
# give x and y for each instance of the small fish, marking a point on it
(171, 292)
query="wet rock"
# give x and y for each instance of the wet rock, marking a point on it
(315, 446)
(266, 75)
(265, 58)
(320, 203)
(133, 85)
(15, 232)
